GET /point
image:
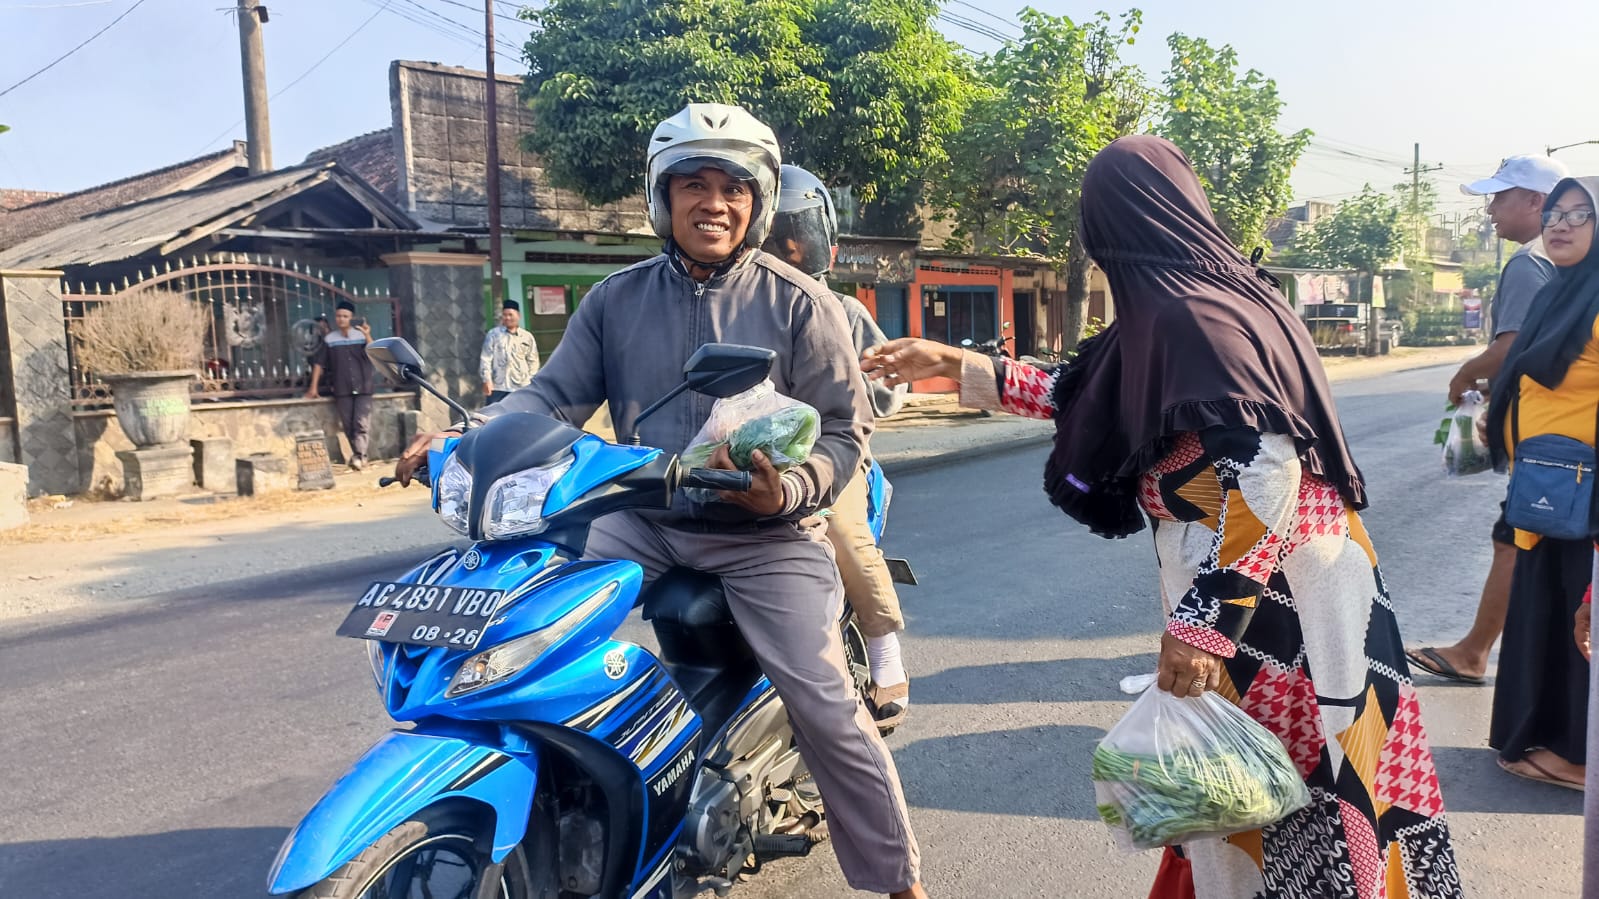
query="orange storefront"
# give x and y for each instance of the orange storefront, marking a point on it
(940, 297)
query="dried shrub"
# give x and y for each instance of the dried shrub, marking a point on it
(155, 330)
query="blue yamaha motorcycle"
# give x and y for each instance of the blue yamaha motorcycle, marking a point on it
(548, 759)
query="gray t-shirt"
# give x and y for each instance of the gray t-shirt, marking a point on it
(1523, 276)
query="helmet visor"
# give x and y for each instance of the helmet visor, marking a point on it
(737, 162)
(802, 237)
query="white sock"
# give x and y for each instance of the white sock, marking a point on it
(882, 655)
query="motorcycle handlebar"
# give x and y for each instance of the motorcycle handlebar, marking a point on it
(421, 476)
(717, 479)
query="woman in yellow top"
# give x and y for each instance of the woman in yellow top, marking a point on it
(1550, 385)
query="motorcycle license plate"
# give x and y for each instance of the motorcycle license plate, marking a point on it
(422, 614)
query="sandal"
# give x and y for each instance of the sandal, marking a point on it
(1429, 660)
(888, 705)
(1543, 776)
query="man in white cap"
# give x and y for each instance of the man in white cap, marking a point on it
(1516, 195)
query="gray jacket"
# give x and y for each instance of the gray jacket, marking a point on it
(628, 341)
(865, 334)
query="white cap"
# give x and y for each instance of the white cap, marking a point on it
(1535, 173)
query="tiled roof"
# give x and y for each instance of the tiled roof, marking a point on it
(20, 224)
(371, 156)
(174, 221)
(12, 198)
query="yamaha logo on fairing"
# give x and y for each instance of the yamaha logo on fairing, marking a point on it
(674, 773)
(472, 560)
(615, 664)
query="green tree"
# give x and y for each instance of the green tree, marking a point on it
(1044, 106)
(1482, 277)
(862, 93)
(1364, 233)
(1227, 124)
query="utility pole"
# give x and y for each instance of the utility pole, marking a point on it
(491, 112)
(252, 56)
(1415, 172)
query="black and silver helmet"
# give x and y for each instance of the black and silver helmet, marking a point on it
(805, 228)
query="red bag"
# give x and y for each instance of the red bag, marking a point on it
(1175, 879)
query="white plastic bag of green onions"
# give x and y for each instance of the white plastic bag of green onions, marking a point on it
(1457, 434)
(1174, 770)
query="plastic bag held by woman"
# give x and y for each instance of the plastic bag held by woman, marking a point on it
(1463, 453)
(1177, 769)
(760, 418)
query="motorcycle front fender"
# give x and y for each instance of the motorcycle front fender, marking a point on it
(402, 774)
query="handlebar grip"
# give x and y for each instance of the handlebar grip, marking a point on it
(717, 479)
(421, 476)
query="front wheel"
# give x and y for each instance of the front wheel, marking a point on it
(435, 855)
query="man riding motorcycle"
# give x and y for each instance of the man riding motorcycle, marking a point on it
(805, 234)
(712, 185)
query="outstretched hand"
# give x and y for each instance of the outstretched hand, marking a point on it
(910, 359)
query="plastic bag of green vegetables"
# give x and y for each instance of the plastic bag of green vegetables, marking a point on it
(1174, 770)
(1463, 454)
(760, 418)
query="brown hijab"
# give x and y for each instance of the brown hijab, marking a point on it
(1202, 339)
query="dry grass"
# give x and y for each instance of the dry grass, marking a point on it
(155, 330)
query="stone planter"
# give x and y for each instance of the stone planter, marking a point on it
(152, 407)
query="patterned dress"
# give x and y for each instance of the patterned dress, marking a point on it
(1264, 565)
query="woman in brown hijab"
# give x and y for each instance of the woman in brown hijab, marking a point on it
(1204, 410)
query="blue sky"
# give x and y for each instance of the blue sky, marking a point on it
(1369, 77)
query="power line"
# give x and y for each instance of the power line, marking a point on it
(498, 15)
(459, 33)
(303, 75)
(975, 27)
(1000, 19)
(477, 36)
(86, 41)
(81, 3)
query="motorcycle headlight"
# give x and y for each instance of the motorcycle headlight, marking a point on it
(504, 661)
(455, 495)
(515, 504)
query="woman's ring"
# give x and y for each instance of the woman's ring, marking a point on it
(1198, 684)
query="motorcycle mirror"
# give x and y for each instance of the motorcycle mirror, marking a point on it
(401, 363)
(724, 369)
(396, 359)
(716, 369)
(1005, 326)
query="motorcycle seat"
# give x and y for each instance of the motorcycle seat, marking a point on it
(699, 642)
(684, 597)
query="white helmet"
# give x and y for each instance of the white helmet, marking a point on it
(722, 137)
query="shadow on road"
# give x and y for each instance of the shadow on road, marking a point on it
(1031, 771)
(219, 863)
(1055, 680)
(1472, 782)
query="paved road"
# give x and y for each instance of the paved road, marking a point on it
(165, 752)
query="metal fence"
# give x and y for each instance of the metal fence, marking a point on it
(262, 332)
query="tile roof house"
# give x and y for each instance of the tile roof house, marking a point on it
(11, 198)
(27, 221)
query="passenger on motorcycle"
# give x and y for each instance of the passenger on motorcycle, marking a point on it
(805, 234)
(712, 186)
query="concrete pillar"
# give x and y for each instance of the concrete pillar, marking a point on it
(262, 473)
(33, 360)
(213, 464)
(440, 298)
